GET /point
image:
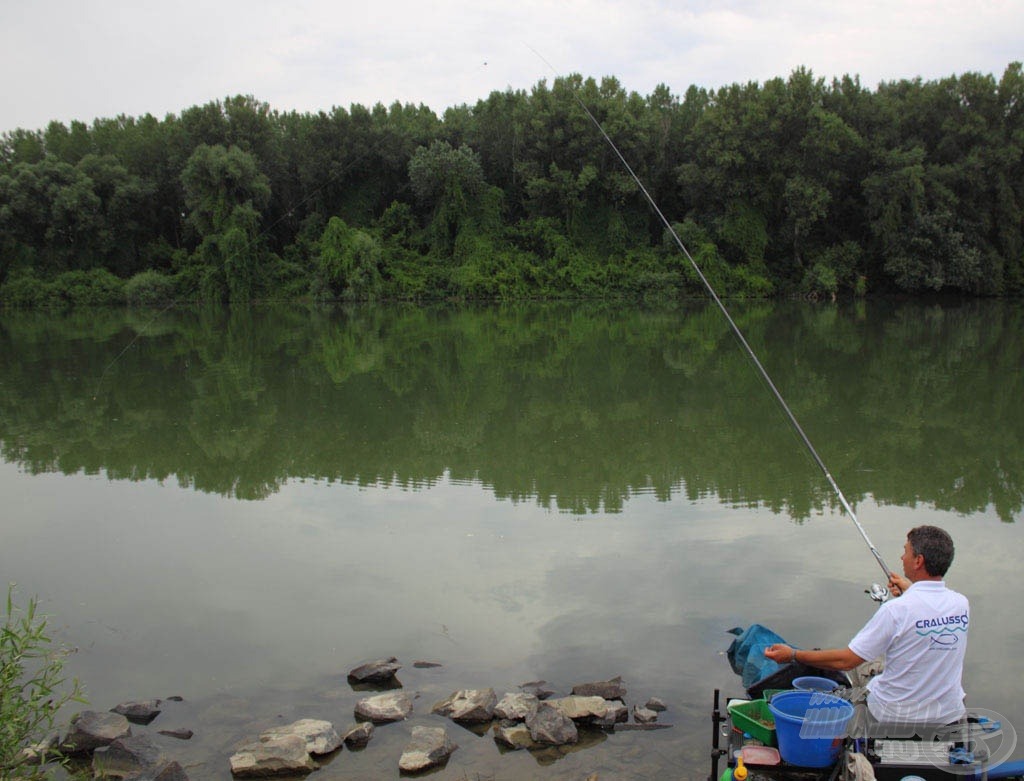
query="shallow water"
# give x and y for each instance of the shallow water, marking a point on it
(240, 507)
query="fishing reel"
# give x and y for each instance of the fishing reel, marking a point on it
(878, 592)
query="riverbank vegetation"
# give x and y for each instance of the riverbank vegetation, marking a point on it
(794, 186)
(32, 690)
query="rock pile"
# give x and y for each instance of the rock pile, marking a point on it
(107, 739)
(531, 718)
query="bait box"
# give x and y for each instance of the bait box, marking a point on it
(754, 718)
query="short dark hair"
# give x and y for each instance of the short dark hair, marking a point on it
(935, 545)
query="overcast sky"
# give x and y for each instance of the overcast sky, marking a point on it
(82, 59)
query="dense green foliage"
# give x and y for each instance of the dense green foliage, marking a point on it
(31, 689)
(792, 186)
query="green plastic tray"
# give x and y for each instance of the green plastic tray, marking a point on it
(755, 719)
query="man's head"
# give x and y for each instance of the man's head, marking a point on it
(934, 546)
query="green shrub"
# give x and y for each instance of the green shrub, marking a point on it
(150, 288)
(32, 687)
(751, 282)
(28, 291)
(95, 287)
(835, 269)
(348, 263)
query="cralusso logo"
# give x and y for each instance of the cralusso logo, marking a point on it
(942, 632)
(960, 619)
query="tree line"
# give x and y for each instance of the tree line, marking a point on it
(793, 187)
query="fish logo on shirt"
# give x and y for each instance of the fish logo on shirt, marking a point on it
(942, 632)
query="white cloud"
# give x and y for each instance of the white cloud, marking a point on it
(79, 60)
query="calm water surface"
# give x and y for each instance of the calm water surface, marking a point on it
(240, 506)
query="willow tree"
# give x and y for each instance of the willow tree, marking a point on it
(448, 184)
(224, 192)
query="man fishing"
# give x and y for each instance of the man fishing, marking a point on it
(921, 638)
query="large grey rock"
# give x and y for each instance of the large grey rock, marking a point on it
(516, 706)
(610, 690)
(539, 689)
(126, 756)
(169, 771)
(469, 706)
(513, 734)
(429, 747)
(582, 708)
(320, 735)
(549, 725)
(91, 729)
(138, 711)
(286, 755)
(377, 671)
(383, 708)
(358, 735)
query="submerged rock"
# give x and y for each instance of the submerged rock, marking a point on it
(320, 736)
(358, 735)
(471, 706)
(286, 755)
(38, 753)
(378, 671)
(383, 708)
(422, 665)
(169, 771)
(656, 704)
(181, 733)
(138, 711)
(429, 747)
(549, 725)
(89, 730)
(126, 756)
(644, 715)
(609, 690)
(539, 689)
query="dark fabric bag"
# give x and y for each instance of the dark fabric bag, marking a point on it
(747, 659)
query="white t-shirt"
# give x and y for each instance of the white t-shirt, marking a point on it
(923, 637)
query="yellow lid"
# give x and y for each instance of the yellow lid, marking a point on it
(740, 772)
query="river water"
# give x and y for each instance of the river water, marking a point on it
(239, 506)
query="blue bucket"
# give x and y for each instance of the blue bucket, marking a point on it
(814, 683)
(810, 726)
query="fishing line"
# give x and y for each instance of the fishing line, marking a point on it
(732, 324)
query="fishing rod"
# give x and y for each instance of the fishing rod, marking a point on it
(877, 592)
